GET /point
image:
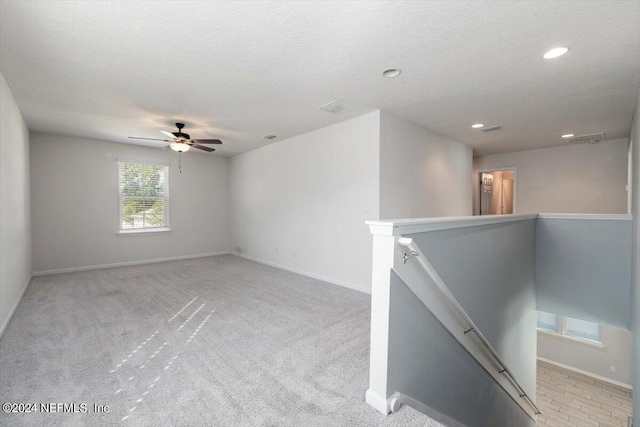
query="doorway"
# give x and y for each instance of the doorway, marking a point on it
(496, 192)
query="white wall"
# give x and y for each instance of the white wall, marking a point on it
(302, 203)
(634, 185)
(579, 178)
(15, 220)
(616, 352)
(75, 204)
(422, 174)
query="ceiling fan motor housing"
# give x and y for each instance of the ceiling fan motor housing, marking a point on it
(180, 134)
(181, 141)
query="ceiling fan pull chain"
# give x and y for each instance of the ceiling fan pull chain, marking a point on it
(180, 162)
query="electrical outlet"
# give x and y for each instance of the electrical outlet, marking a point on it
(613, 369)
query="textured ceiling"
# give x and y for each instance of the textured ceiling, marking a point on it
(241, 70)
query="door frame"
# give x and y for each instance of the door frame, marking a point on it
(477, 177)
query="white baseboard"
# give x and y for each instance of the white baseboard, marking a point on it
(127, 263)
(306, 273)
(589, 374)
(15, 307)
(378, 402)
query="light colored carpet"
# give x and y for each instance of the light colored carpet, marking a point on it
(205, 342)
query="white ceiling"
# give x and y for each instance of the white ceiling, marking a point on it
(240, 70)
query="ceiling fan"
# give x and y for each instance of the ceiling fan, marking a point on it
(182, 142)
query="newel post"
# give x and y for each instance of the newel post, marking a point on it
(383, 258)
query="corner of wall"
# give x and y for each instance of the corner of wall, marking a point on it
(634, 188)
(422, 174)
(310, 194)
(15, 205)
(13, 309)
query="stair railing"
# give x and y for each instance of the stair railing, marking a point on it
(471, 328)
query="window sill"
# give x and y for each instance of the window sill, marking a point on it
(142, 231)
(570, 338)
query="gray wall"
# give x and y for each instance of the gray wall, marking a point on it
(583, 269)
(490, 271)
(577, 178)
(75, 204)
(15, 219)
(444, 376)
(615, 351)
(635, 279)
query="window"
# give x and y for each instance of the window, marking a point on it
(547, 321)
(144, 196)
(582, 329)
(570, 327)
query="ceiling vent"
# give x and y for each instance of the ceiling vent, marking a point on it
(336, 107)
(591, 138)
(490, 128)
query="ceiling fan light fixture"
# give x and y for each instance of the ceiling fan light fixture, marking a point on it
(180, 147)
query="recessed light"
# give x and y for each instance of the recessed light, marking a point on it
(556, 52)
(568, 135)
(391, 72)
(477, 125)
(269, 136)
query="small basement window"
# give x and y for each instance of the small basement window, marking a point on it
(582, 329)
(567, 326)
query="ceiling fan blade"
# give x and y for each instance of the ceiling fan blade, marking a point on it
(169, 134)
(202, 147)
(207, 141)
(150, 139)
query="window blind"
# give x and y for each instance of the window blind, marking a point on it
(144, 195)
(582, 329)
(547, 321)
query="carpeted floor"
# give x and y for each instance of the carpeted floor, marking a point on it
(205, 342)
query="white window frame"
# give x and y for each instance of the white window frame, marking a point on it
(560, 333)
(147, 230)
